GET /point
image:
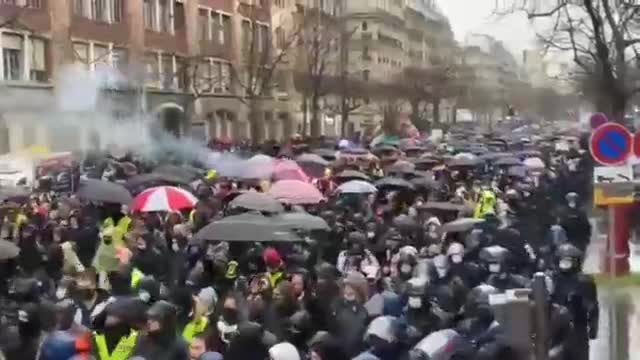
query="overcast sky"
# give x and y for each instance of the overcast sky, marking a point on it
(476, 16)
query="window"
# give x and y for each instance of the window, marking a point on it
(99, 10)
(280, 38)
(81, 54)
(182, 71)
(165, 16)
(203, 81)
(34, 4)
(100, 56)
(78, 7)
(167, 72)
(365, 26)
(203, 24)
(246, 35)
(38, 71)
(178, 16)
(116, 10)
(120, 59)
(226, 29)
(149, 14)
(151, 68)
(216, 28)
(264, 38)
(365, 53)
(12, 56)
(365, 75)
(8, 2)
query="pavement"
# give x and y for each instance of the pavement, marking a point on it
(623, 302)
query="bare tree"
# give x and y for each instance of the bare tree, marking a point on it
(319, 61)
(602, 38)
(254, 74)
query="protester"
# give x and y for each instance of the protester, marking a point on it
(394, 247)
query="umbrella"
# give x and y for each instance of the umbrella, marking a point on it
(534, 163)
(288, 170)
(103, 191)
(13, 193)
(508, 161)
(404, 222)
(246, 227)
(400, 167)
(445, 206)
(352, 175)
(327, 154)
(463, 162)
(312, 159)
(461, 225)
(356, 187)
(258, 167)
(390, 182)
(295, 192)
(302, 221)
(8, 250)
(154, 179)
(465, 155)
(258, 202)
(163, 198)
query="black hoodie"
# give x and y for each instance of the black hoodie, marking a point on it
(164, 344)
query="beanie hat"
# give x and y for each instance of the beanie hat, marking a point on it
(271, 257)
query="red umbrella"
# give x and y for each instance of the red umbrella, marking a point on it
(295, 192)
(163, 198)
(289, 170)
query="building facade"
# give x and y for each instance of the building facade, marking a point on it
(179, 59)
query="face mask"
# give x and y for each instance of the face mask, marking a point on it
(572, 205)
(61, 293)
(350, 298)
(226, 331)
(565, 264)
(175, 247)
(371, 234)
(456, 259)
(415, 302)
(405, 268)
(441, 272)
(494, 268)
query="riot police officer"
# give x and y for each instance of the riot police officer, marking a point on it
(496, 260)
(578, 293)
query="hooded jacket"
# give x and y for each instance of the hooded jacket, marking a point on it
(165, 344)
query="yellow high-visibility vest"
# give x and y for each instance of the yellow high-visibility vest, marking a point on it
(121, 352)
(195, 327)
(136, 276)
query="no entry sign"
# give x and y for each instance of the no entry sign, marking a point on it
(611, 144)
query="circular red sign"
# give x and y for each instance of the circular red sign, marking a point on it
(611, 144)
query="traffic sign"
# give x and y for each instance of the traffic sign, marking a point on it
(636, 145)
(611, 144)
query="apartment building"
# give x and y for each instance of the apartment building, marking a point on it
(147, 49)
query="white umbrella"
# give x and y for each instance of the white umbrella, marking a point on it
(356, 187)
(534, 163)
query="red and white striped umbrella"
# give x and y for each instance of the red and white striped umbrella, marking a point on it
(163, 198)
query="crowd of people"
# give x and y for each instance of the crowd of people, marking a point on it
(398, 258)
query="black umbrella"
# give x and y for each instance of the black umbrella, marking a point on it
(508, 161)
(312, 159)
(351, 175)
(400, 167)
(327, 154)
(405, 222)
(247, 227)
(258, 202)
(463, 162)
(390, 182)
(301, 221)
(103, 191)
(154, 179)
(8, 250)
(424, 182)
